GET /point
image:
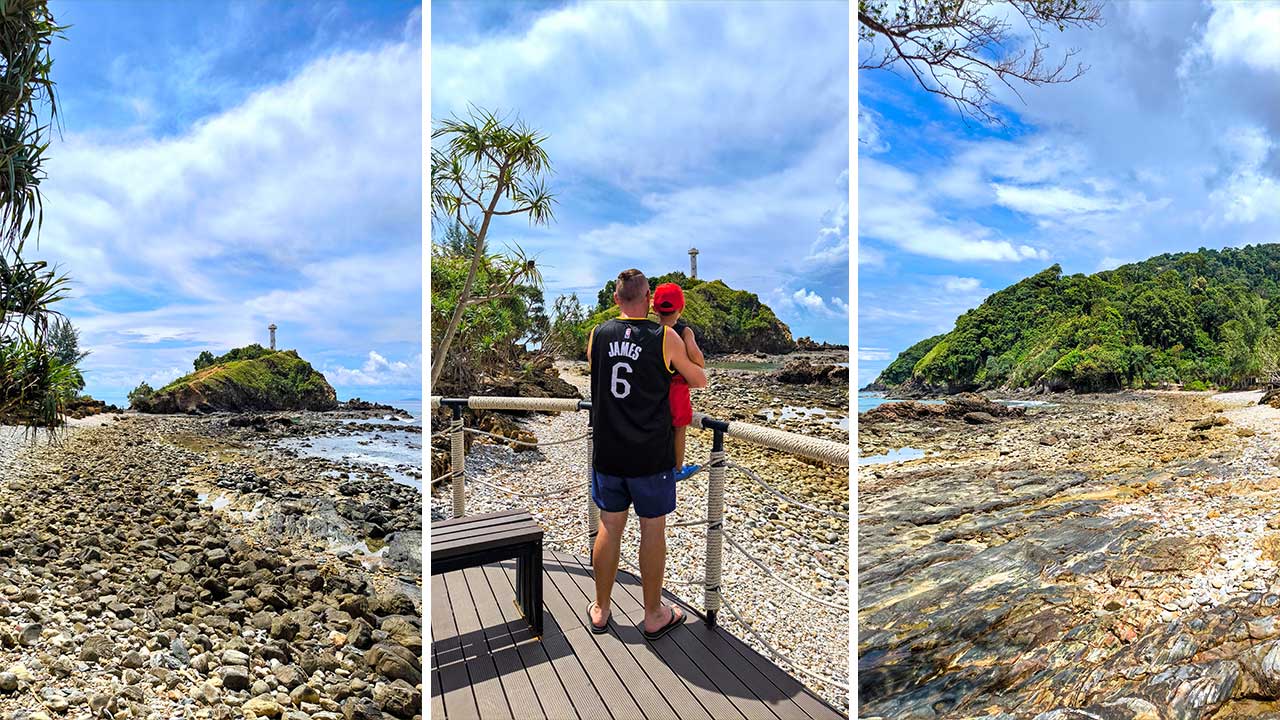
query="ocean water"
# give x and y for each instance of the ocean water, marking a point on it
(898, 455)
(396, 453)
(868, 400)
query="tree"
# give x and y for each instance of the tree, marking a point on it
(34, 385)
(486, 167)
(141, 393)
(958, 48)
(203, 360)
(568, 336)
(64, 346)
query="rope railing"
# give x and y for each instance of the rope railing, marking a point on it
(818, 449)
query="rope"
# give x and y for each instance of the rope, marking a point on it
(714, 558)
(504, 438)
(482, 402)
(437, 436)
(441, 478)
(435, 401)
(517, 493)
(779, 654)
(458, 464)
(794, 443)
(665, 581)
(789, 500)
(564, 540)
(774, 576)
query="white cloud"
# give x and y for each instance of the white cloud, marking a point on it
(961, 284)
(810, 301)
(1247, 33)
(867, 354)
(378, 370)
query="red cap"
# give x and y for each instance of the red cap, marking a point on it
(668, 298)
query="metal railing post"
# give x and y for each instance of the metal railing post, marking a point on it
(715, 520)
(458, 460)
(593, 512)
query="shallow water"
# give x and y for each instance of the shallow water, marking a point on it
(868, 400)
(899, 455)
(795, 412)
(394, 453)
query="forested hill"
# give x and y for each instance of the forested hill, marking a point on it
(1203, 318)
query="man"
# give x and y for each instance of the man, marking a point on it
(632, 362)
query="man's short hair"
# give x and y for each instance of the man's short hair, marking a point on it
(631, 286)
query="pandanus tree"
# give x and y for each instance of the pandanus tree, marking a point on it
(485, 167)
(34, 383)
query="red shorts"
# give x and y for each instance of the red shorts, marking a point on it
(681, 405)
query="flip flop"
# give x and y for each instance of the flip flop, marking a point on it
(687, 471)
(598, 629)
(672, 624)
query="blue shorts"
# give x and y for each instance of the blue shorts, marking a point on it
(653, 495)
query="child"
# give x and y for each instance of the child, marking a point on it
(668, 302)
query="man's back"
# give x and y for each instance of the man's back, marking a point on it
(630, 411)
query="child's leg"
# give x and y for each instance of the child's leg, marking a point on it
(679, 446)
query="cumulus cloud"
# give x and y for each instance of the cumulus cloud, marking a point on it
(378, 370)
(299, 205)
(870, 354)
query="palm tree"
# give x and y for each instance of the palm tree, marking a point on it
(34, 385)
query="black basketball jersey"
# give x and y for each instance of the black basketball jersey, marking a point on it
(630, 410)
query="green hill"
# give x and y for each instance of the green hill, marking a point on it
(245, 379)
(1202, 318)
(724, 320)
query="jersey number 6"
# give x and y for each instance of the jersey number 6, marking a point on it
(620, 388)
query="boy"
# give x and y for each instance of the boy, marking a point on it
(668, 302)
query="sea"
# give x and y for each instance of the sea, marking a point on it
(397, 453)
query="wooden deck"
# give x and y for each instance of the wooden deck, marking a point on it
(485, 663)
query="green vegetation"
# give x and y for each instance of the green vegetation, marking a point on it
(35, 384)
(484, 167)
(724, 319)
(253, 379)
(1207, 318)
(504, 315)
(248, 352)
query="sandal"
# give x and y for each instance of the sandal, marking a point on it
(598, 629)
(672, 624)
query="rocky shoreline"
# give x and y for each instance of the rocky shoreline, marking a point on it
(166, 566)
(1105, 556)
(807, 549)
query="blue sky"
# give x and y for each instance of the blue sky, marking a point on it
(224, 166)
(717, 125)
(1170, 142)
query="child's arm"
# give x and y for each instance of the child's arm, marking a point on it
(680, 361)
(691, 346)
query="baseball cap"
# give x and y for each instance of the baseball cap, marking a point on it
(668, 298)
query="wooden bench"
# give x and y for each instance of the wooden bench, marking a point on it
(477, 540)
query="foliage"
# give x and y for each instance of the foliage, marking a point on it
(485, 167)
(251, 377)
(1209, 317)
(140, 394)
(899, 371)
(64, 345)
(204, 360)
(34, 385)
(568, 336)
(961, 50)
(489, 335)
(723, 319)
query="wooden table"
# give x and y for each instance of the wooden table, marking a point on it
(477, 540)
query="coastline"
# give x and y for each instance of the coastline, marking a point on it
(807, 549)
(1115, 553)
(179, 566)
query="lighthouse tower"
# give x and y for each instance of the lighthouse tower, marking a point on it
(272, 328)
(693, 263)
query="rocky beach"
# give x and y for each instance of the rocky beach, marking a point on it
(1101, 556)
(201, 567)
(808, 550)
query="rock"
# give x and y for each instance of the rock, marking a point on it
(359, 708)
(267, 381)
(978, 418)
(97, 648)
(304, 694)
(262, 706)
(397, 698)
(8, 682)
(235, 677)
(394, 662)
(30, 634)
(290, 676)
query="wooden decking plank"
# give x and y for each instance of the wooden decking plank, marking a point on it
(574, 580)
(456, 695)
(490, 698)
(474, 518)
(806, 699)
(516, 685)
(484, 525)
(539, 666)
(490, 538)
(614, 675)
(723, 693)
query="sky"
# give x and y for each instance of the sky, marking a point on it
(721, 126)
(1170, 142)
(226, 166)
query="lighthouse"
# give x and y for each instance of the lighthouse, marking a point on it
(693, 263)
(272, 328)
